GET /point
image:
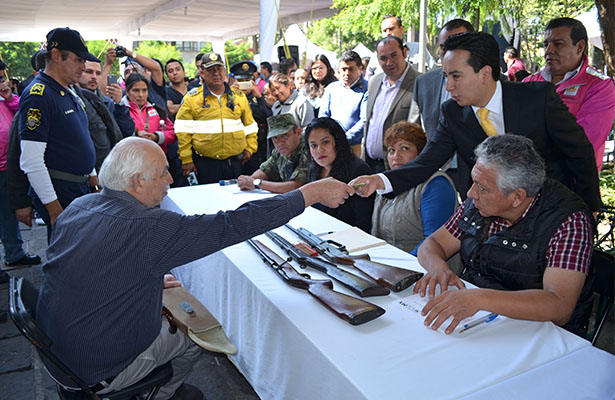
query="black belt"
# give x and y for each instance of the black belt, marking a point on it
(66, 176)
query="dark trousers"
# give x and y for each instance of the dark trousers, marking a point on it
(66, 192)
(210, 170)
(377, 166)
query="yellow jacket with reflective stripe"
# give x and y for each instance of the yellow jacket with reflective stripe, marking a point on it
(214, 128)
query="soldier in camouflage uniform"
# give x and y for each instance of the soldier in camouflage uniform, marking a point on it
(287, 168)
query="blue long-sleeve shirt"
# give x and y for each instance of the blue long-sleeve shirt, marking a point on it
(101, 297)
(348, 106)
(437, 205)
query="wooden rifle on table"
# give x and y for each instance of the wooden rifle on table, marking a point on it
(394, 278)
(359, 285)
(350, 309)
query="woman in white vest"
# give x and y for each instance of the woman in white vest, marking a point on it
(406, 220)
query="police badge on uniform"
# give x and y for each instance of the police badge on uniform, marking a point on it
(33, 118)
(37, 89)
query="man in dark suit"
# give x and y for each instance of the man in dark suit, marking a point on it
(471, 65)
(429, 94)
(389, 95)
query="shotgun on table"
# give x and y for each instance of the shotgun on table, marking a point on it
(359, 285)
(354, 311)
(394, 278)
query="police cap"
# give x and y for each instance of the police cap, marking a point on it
(211, 59)
(280, 124)
(71, 40)
(243, 70)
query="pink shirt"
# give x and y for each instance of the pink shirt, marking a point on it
(513, 68)
(590, 97)
(7, 112)
(149, 115)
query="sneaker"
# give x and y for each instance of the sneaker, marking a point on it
(25, 260)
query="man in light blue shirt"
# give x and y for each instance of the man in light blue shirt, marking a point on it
(346, 100)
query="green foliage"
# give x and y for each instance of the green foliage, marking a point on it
(530, 16)
(160, 50)
(236, 52)
(17, 56)
(325, 33)
(607, 184)
(99, 49)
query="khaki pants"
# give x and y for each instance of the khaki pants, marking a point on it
(166, 347)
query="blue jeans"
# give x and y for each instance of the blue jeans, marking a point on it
(9, 227)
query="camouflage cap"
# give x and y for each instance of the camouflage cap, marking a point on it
(280, 124)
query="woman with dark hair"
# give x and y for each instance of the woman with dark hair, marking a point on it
(331, 155)
(320, 74)
(151, 120)
(406, 220)
(289, 101)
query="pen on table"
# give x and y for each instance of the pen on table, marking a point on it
(358, 185)
(485, 319)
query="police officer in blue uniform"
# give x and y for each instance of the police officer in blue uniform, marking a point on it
(58, 155)
(243, 72)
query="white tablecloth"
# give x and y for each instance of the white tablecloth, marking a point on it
(291, 347)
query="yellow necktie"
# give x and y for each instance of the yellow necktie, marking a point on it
(487, 126)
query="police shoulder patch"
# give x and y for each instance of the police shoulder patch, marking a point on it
(193, 91)
(593, 72)
(38, 89)
(33, 118)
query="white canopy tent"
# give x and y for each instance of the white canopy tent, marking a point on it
(363, 51)
(294, 36)
(186, 20)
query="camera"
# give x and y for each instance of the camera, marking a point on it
(120, 51)
(245, 85)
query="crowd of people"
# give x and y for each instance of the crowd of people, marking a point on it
(423, 161)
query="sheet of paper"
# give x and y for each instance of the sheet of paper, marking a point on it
(415, 303)
(354, 239)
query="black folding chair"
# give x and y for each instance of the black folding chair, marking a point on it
(22, 308)
(603, 265)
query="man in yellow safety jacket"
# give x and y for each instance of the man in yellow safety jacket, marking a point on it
(215, 130)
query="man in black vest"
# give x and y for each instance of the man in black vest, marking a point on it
(525, 241)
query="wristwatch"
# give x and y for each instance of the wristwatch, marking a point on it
(257, 182)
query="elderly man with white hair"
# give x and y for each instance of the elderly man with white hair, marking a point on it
(101, 297)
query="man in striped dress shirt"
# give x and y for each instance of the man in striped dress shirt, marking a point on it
(101, 297)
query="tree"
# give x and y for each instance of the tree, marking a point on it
(325, 33)
(159, 50)
(606, 17)
(238, 51)
(17, 57)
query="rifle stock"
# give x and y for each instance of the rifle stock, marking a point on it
(354, 311)
(395, 278)
(357, 284)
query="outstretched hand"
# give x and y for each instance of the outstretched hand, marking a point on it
(329, 192)
(366, 185)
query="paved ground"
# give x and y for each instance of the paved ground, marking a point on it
(22, 376)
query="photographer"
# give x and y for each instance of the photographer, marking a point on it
(137, 63)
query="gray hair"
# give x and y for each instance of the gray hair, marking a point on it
(516, 161)
(126, 159)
